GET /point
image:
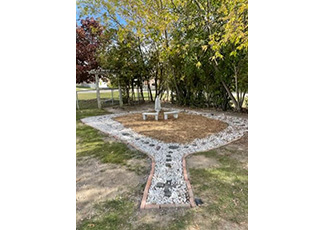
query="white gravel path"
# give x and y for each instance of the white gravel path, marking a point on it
(168, 185)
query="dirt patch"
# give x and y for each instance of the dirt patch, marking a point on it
(98, 182)
(200, 161)
(109, 181)
(227, 225)
(157, 218)
(237, 150)
(166, 218)
(184, 129)
(221, 185)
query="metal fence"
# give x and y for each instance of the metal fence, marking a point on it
(86, 98)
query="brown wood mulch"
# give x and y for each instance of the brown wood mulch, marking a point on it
(184, 129)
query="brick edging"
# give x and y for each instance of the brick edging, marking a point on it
(188, 184)
(186, 178)
(143, 204)
(146, 189)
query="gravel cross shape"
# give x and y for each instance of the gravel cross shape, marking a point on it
(168, 184)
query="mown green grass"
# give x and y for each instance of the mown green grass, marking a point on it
(90, 142)
(88, 113)
(103, 95)
(120, 213)
(80, 88)
(225, 188)
(108, 95)
(88, 100)
(117, 213)
(180, 221)
(92, 103)
(88, 104)
(113, 215)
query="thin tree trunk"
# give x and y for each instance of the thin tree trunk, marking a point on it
(112, 92)
(149, 89)
(233, 99)
(242, 100)
(128, 94)
(176, 86)
(237, 91)
(120, 93)
(141, 91)
(156, 80)
(156, 87)
(97, 92)
(77, 100)
(132, 88)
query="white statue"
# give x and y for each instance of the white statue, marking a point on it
(157, 104)
(157, 109)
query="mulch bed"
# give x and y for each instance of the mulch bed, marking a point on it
(184, 129)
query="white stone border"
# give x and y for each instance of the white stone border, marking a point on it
(179, 193)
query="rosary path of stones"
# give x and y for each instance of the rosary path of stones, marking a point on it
(169, 167)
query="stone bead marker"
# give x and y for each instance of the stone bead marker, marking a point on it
(169, 186)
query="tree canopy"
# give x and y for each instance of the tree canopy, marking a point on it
(197, 49)
(87, 42)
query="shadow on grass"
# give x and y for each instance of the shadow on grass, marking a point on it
(92, 103)
(90, 142)
(224, 188)
(113, 214)
(121, 213)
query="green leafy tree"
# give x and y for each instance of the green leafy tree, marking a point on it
(198, 49)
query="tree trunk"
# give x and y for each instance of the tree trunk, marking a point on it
(233, 99)
(138, 93)
(149, 89)
(112, 92)
(77, 100)
(241, 101)
(155, 87)
(97, 92)
(176, 86)
(132, 95)
(141, 91)
(238, 108)
(120, 94)
(156, 80)
(128, 94)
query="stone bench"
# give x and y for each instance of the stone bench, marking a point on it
(144, 115)
(175, 114)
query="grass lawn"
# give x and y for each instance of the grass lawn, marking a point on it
(222, 185)
(90, 142)
(108, 95)
(79, 88)
(224, 188)
(103, 95)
